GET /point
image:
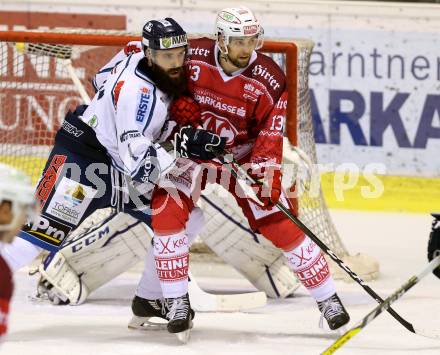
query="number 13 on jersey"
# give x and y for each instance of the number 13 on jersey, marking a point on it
(277, 123)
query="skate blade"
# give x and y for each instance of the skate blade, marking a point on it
(184, 336)
(147, 323)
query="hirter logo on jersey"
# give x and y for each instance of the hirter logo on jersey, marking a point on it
(259, 70)
(219, 125)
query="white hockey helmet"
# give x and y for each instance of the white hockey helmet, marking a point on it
(16, 188)
(238, 22)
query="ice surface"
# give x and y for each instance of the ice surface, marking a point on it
(290, 326)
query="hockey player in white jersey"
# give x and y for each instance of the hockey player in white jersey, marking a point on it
(109, 154)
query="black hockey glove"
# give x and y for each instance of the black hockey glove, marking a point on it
(194, 143)
(434, 241)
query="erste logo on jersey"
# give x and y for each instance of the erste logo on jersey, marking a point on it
(143, 102)
(259, 70)
(219, 125)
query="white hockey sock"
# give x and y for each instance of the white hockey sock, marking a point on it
(311, 268)
(149, 285)
(171, 254)
(19, 253)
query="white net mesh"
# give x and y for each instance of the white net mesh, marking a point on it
(37, 89)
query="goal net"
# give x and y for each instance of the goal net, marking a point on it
(44, 74)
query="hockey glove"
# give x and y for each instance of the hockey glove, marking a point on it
(268, 186)
(194, 143)
(434, 241)
(185, 111)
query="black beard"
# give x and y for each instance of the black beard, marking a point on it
(172, 87)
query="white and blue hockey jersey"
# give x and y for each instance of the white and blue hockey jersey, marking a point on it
(130, 117)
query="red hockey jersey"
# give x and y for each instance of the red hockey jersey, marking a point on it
(248, 108)
(6, 286)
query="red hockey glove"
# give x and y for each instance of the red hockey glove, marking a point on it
(185, 111)
(268, 186)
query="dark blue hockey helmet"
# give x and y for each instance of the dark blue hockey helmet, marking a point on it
(163, 34)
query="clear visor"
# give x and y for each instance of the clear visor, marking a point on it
(256, 41)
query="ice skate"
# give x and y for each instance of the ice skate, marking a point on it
(148, 314)
(334, 312)
(180, 317)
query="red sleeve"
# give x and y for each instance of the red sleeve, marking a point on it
(270, 113)
(268, 148)
(4, 310)
(5, 295)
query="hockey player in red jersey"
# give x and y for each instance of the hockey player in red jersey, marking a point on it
(16, 204)
(242, 96)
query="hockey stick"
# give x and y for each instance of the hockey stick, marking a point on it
(203, 301)
(239, 173)
(385, 305)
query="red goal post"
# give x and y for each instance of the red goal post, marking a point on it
(36, 91)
